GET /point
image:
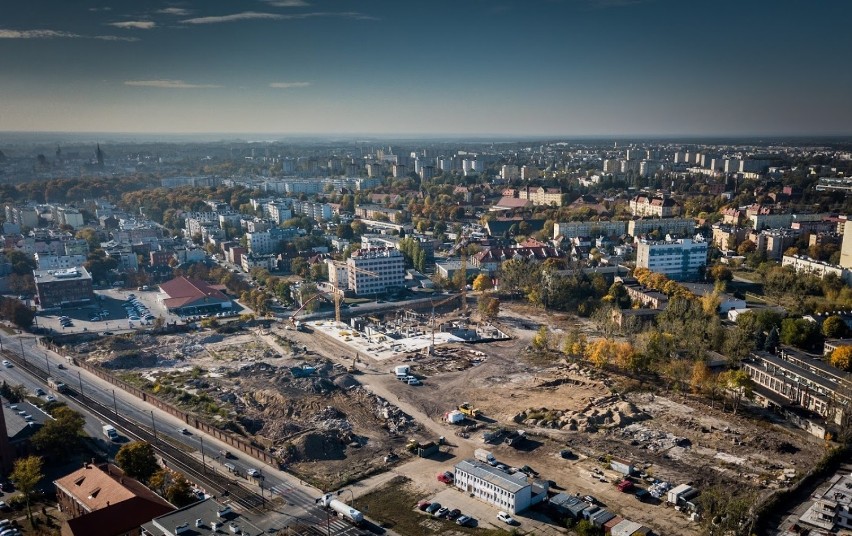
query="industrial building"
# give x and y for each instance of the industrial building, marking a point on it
(509, 492)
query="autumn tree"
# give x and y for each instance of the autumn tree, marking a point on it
(482, 283)
(179, 492)
(739, 384)
(26, 475)
(841, 358)
(541, 340)
(137, 460)
(488, 306)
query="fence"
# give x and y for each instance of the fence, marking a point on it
(188, 418)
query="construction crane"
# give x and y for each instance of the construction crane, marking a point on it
(442, 302)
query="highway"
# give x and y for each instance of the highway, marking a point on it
(275, 497)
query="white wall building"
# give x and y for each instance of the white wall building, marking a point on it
(387, 264)
(679, 260)
(511, 493)
(52, 262)
(260, 243)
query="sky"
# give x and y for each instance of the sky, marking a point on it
(428, 67)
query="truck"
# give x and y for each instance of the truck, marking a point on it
(485, 456)
(57, 385)
(110, 433)
(402, 371)
(469, 411)
(343, 510)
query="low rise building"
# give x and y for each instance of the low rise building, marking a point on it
(807, 265)
(832, 508)
(185, 296)
(509, 492)
(659, 206)
(60, 288)
(203, 517)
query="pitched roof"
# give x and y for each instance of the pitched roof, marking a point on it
(118, 518)
(492, 475)
(183, 291)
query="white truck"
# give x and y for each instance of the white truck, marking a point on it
(343, 509)
(485, 456)
(110, 433)
(402, 372)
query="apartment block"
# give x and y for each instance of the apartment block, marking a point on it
(679, 260)
(387, 267)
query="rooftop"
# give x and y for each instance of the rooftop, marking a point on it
(492, 475)
(67, 274)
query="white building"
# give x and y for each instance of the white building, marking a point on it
(833, 510)
(46, 261)
(510, 493)
(804, 264)
(260, 243)
(678, 260)
(388, 265)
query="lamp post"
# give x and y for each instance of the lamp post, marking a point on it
(80, 379)
(203, 462)
(153, 425)
(340, 491)
(114, 403)
(23, 356)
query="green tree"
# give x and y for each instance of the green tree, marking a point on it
(834, 327)
(60, 435)
(179, 493)
(739, 384)
(26, 475)
(798, 332)
(488, 306)
(137, 460)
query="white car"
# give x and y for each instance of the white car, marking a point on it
(506, 518)
(7, 364)
(253, 472)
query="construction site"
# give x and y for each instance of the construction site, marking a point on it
(338, 402)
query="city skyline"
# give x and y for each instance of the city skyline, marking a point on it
(312, 67)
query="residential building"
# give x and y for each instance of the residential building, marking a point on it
(260, 243)
(177, 182)
(680, 260)
(184, 296)
(18, 423)
(573, 229)
(489, 260)
(665, 226)
(807, 265)
(508, 492)
(23, 216)
(54, 262)
(69, 216)
(60, 288)
(338, 274)
(388, 265)
(102, 501)
(846, 246)
(267, 262)
(660, 206)
(542, 196)
(831, 509)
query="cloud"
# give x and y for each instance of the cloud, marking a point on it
(245, 15)
(168, 84)
(287, 3)
(56, 34)
(134, 24)
(289, 85)
(177, 11)
(254, 15)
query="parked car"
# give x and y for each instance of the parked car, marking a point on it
(454, 513)
(442, 512)
(423, 505)
(39, 391)
(506, 518)
(590, 499)
(464, 521)
(253, 473)
(434, 507)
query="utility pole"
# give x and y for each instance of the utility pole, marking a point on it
(80, 379)
(114, 403)
(153, 425)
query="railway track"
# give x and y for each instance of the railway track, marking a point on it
(174, 457)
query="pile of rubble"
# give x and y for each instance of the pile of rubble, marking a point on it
(331, 419)
(396, 421)
(604, 412)
(652, 440)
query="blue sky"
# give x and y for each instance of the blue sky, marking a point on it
(456, 67)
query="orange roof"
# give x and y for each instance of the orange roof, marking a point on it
(93, 488)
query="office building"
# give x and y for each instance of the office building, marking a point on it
(508, 492)
(680, 260)
(388, 265)
(60, 288)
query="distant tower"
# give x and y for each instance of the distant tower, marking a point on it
(6, 453)
(58, 153)
(100, 156)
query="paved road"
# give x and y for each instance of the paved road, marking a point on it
(297, 505)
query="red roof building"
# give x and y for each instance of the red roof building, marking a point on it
(186, 296)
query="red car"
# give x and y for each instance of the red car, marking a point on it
(446, 477)
(423, 505)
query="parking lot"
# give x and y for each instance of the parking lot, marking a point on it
(113, 312)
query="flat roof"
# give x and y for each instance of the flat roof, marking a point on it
(796, 369)
(67, 274)
(492, 475)
(207, 511)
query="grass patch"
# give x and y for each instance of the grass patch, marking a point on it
(8, 330)
(393, 507)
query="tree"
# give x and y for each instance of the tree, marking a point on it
(26, 475)
(179, 493)
(798, 332)
(834, 327)
(720, 272)
(61, 434)
(137, 460)
(482, 283)
(746, 247)
(488, 306)
(739, 383)
(841, 358)
(541, 339)
(772, 340)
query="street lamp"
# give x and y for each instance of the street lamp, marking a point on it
(340, 491)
